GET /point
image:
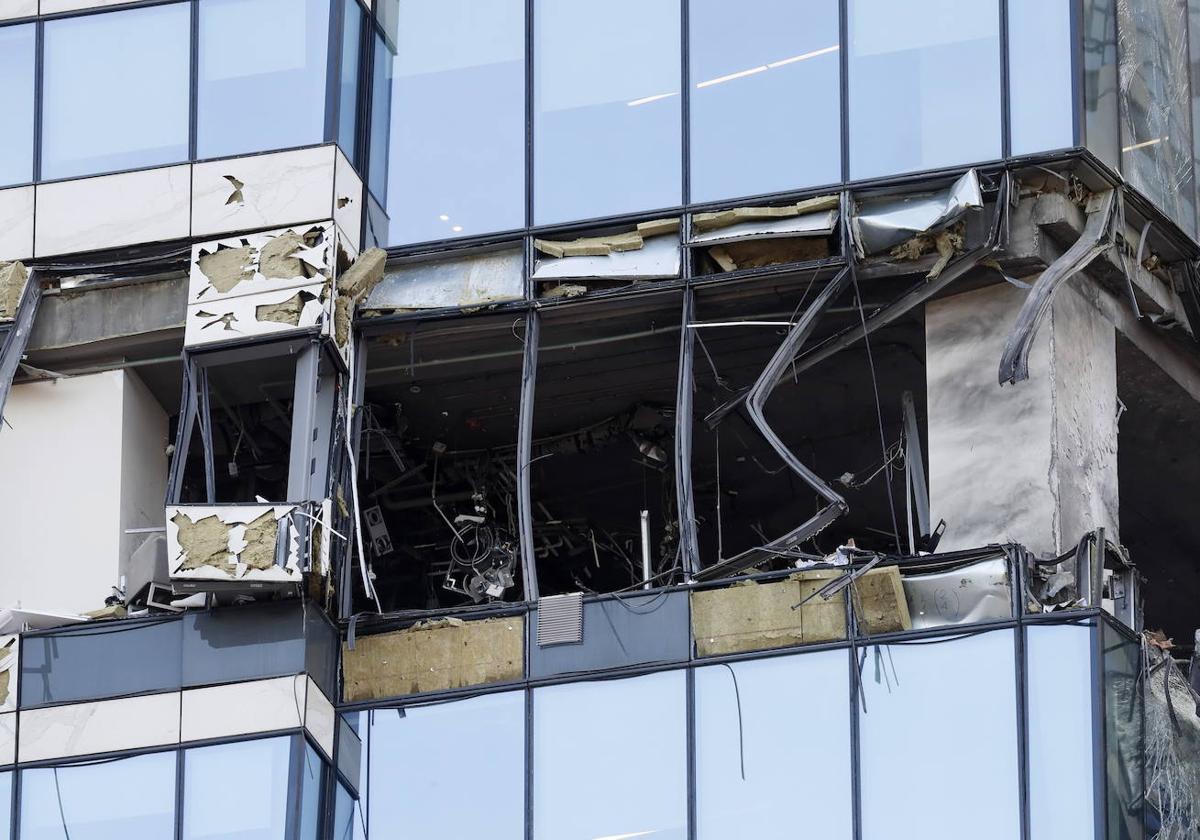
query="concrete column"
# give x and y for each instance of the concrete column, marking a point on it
(1036, 462)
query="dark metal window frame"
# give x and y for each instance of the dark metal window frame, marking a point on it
(332, 87)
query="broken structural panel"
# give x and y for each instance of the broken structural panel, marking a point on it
(757, 616)
(466, 282)
(881, 225)
(1097, 237)
(757, 237)
(436, 655)
(648, 252)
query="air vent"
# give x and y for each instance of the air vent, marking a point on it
(560, 619)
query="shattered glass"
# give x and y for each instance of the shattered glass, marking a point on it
(1156, 131)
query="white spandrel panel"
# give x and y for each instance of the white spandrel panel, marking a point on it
(16, 223)
(319, 717)
(262, 191)
(8, 738)
(10, 9)
(348, 200)
(110, 211)
(105, 726)
(243, 708)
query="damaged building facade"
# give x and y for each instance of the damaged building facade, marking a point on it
(679, 419)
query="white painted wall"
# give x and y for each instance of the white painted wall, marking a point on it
(83, 460)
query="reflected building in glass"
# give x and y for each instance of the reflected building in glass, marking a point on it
(559, 420)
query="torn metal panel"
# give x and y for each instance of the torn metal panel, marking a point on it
(757, 237)
(261, 314)
(233, 543)
(810, 224)
(978, 592)
(436, 655)
(1097, 237)
(650, 252)
(261, 262)
(466, 282)
(808, 209)
(757, 616)
(880, 225)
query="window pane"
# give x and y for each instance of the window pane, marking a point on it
(6, 805)
(262, 75)
(312, 773)
(1156, 146)
(775, 696)
(217, 800)
(775, 59)
(1041, 87)
(352, 25)
(381, 121)
(1123, 734)
(1059, 707)
(610, 759)
(943, 714)
(1100, 79)
(115, 800)
(115, 91)
(347, 816)
(417, 763)
(606, 96)
(16, 103)
(924, 84)
(456, 119)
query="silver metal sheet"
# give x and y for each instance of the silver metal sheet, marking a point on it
(808, 224)
(468, 281)
(658, 259)
(883, 224)
(979, 592)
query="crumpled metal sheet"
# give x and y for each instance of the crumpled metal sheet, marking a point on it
(1154, 72)
(979, 592)
(478, 280)
(879, 226)
(657, 259)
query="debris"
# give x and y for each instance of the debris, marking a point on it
(1172, 741)
(946, 242)
(236, 196)
(13, 276)
(262, 537)
(564, 290)
(757, 616)
(277, 259)
(285, 312)
(353, 286)
(724, 218)
(111, 611)
(602, 246)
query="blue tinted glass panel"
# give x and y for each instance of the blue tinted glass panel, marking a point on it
(113, 800)
(347, 821)
(6, 780)
(312, 775)
(623, 773)
(778, 60)
(607, 108)
(262, 75)
(16, 103)
(1100, 80)
(352, 25)
(116, 91)
(219, 800)
(924, 84)
(1041, 87)
(381, 124)
(456, 134)
(419, 794)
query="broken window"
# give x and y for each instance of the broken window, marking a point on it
(779, 62)
(216, 805)
(606, 108)
(16, 102)
(463, 282)
(602, 466)
(624, 773)
(456, 120)
(615, 259)
(129, 797)
(1041, 81)
(743, 238)
(114, 91)
(419, 761)
(353, 19)
(1059, 730)
(749, 782)
(437, 467)
(262, 72)
(961, 748)
(1156, 147)
(928, 74)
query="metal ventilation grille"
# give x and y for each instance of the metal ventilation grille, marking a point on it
(560, 619)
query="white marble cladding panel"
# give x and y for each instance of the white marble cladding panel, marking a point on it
(16, 223)
(100, 727)
(243, 708)
(263, 191)
(251, 534)
(348, 200)
(319, 718)
(110, 211)
(52, 7)
(10, 9)
(265, 313)
(8, 738)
